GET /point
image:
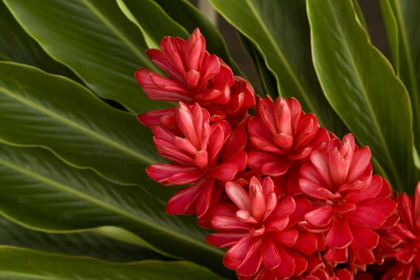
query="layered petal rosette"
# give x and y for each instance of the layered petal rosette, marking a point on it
(194, 76)
(349, 203)
(283, 134)
(261, 232)
(203, 154)
(404, 239)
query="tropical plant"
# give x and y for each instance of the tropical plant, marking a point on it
(86, 191)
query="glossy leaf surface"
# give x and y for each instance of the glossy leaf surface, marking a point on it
(37, 265)
(38, 109)
(401, 21)
(95, 40)
(78, 243)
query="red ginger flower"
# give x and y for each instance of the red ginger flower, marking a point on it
(201, 155)
(349, 202)
(283, 134)
(406, 239)
(261, 233)
(194, 76)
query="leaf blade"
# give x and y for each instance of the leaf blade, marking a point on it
(54, 197)
(38, 109)
(384, 126)
(400, 18)
(112, 47)
(27, 264)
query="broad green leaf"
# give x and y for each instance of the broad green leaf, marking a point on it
(17, 46)
(190, 18)
(362, 87)
(152, 21)
(23, 264)
(38, 109)
(401, 21)
(95, 40)
(268, 81)
(43, 193)
(78, 243)
(280, 30)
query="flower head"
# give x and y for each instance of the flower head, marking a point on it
(282, 134)
(194, 76)
(349, 203)
(202, 153)
(261, 232)
(405, 239)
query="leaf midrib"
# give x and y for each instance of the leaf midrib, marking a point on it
(109, 207)
(283, 59)
(361, 84)
(77, 126)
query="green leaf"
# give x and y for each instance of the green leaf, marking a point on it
(95, 40)
(38, 109)
(401, 21)
(17, 46)
(23, 264)
(43, 193)
(190, 18)
(362, 87)
(268, 81)
(152, 20)
(360, 15)
(78, 243)
(280, 30)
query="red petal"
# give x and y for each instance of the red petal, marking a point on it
(344, 274)
(364, 239)
(257, 159)
(338, 167)
(365, 257)
(320, 217)
(288, 264)
(320, 162)
(339, 236)
(405, 255)
(252, 261)
(336, 255)
(257, 128)
(361, 160)
(161, 172)
(185, 200)
(365, 217)
(275, 169)
(256, 195)
(306, 243)
(238, 195)
(301, 263)
(241, 249)
(225, 239)
(285, 208)
(287, 237)
(312, 189)
(271, 257)
(220, 222)
(154, 117)
(225, 172)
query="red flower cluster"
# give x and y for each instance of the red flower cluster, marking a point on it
(285, 196)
